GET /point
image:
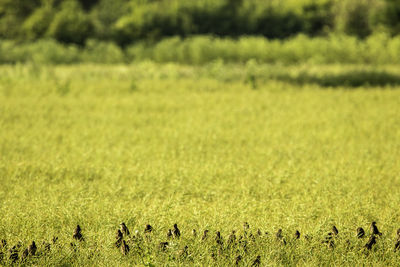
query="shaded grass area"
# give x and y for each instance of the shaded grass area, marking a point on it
(163, 144)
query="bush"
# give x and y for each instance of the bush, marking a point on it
(71, 24)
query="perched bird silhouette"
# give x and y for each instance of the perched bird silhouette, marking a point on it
(259, 233)
(32, 248)
(124, 248)
(238, 259)
(232, 238)
(257, 261)
(218, 238)
(124, 229)
(205, 235)
(163, 246)
(169, 233)
(397, 245)
(335, 230)
(183, 252)
(329, 240)
(46, 246)
(24, 255)
(3, 243)
(148, 229)
(360, 232)
(279, 234)
(374, 229)
(371, 242)
(14, 253)
(78, 234)
(177, 232)
(119, 236)
(297, 234)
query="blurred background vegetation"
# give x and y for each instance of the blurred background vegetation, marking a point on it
(111, 31)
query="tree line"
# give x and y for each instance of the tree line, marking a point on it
(128, 21)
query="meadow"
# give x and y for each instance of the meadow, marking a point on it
(300, 147)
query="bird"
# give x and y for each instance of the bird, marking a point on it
(163, 246)
(119, 236)
(397, 245)
(205, 235)
(238, 259)
(374, 229)
(194, 233)
(46, 246)
(169, 233)
(232, 238)
(279, 234)
(329, 240)
(14, 253)
(124, 229)
(124, 248)
(218, 238)
(297, 234)
(24, 255)
(371, 242)
(183, 252)
(148, 229)
(335, 230)
(360, 232)
(32, 248)
(257, 261)
(177, 232)
(3, 243)
(78, 234)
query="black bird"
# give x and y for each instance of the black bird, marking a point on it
(24, 255)
(119, 236)
(46, 246)
(360, 232)
(3, 243)
(183, 252)
(329, 240)
(148, 229)
(397, 245)
(257, 261)
(194, 233)
(238, 259)
(14, 253)
(169, 233)
(335, 230)
(259, 233)
(297, 234)
(78, 234)
(374, 229)
(279, 234)
(124, 248)
(163, 246)
(124, 229)
(371, 242)
(176, 232)
(218, 238)
(32, 248)
(232, 238)
(205, 235)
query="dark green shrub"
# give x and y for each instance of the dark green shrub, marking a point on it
(71, 24)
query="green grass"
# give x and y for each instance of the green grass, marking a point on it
(202, 147)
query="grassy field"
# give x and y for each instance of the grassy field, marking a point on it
(297, 148)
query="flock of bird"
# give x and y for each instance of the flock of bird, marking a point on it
(124, 239)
